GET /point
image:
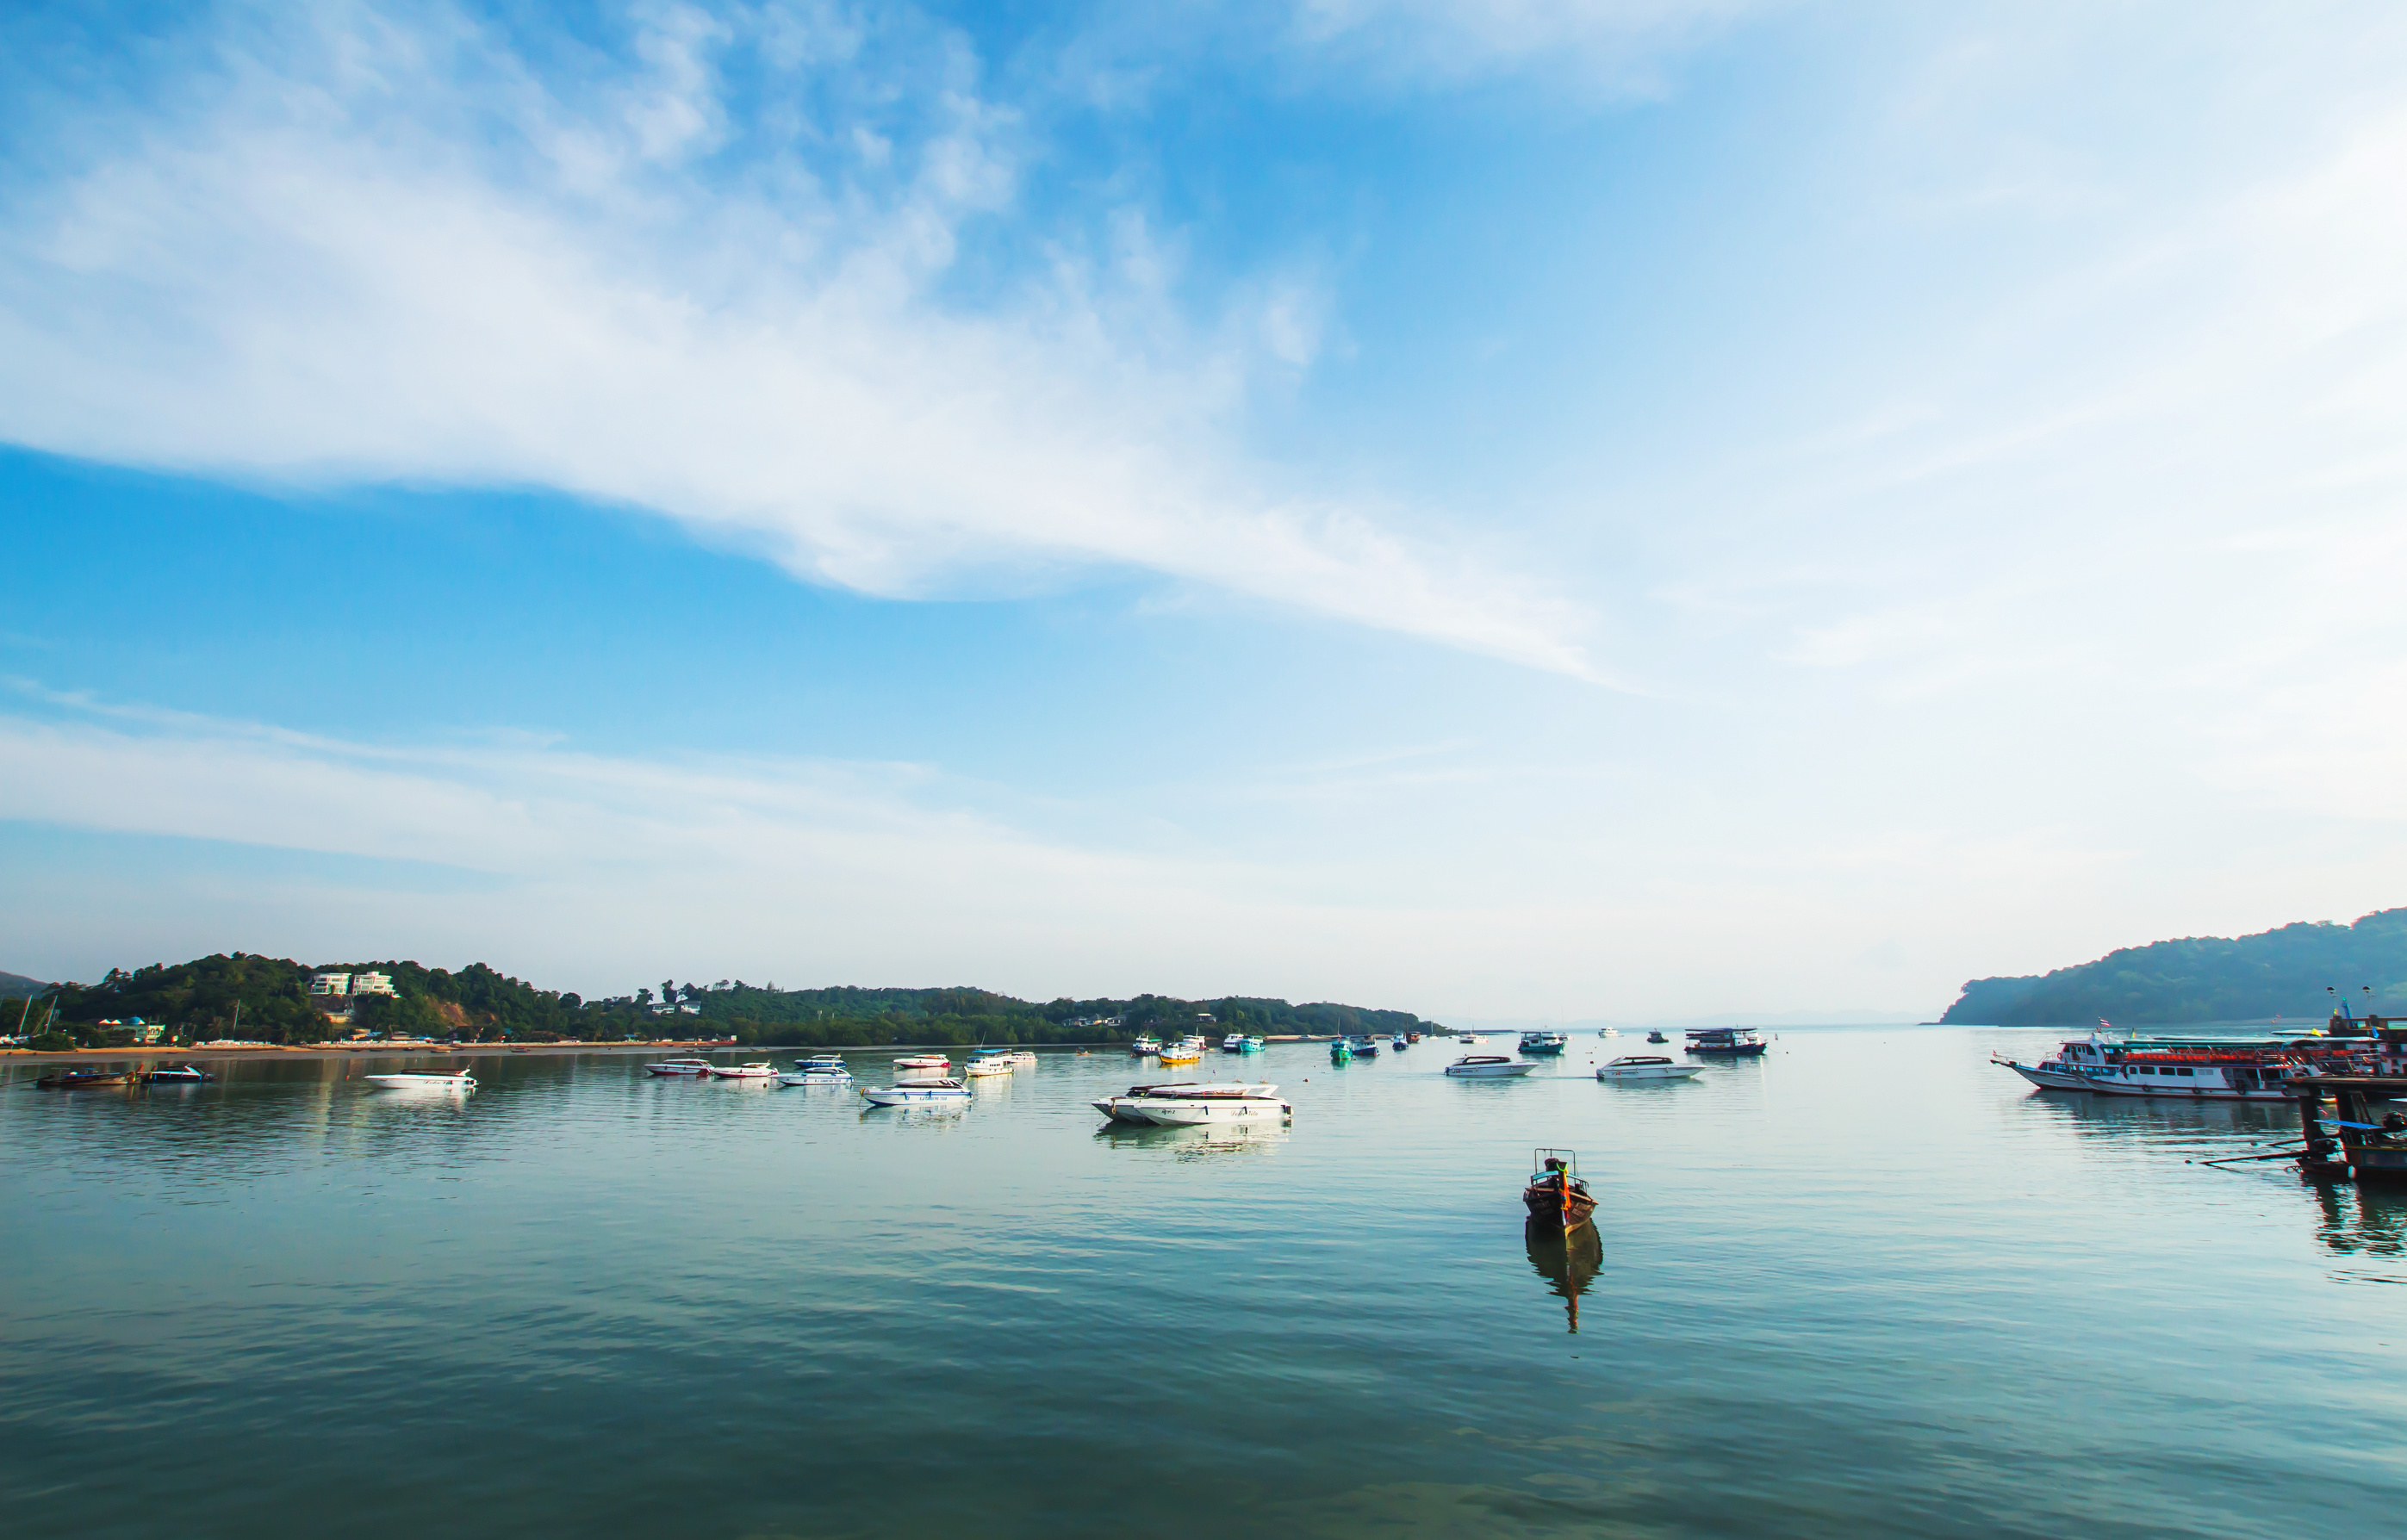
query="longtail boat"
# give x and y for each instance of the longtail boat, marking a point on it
(1555, 1191)
(75, 1079)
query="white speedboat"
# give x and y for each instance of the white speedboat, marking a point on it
(993, 1064)
(421, 1079)
(1187, 1104)
(937, 1092)
(1233, 1043)
(1488, 1066)
(1468, 1040)
(679, 1067)
(1647, 1066)
(759, 1070)
(925, 1061)
(824, 1070)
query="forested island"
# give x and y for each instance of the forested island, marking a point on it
(2280, 972)
(195, 1001)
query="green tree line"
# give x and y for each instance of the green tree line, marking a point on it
(197, 1001)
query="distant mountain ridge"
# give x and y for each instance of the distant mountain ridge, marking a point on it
(16, 985)
(2282, 972)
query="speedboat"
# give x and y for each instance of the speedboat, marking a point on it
(1144, 1048)
(823, 1070)
(1730, 1042)
(758, 1070)
(1233, 1043)
(936, 1062)
(1644, 1066)
(679, 1067)
(1188, 1102)
(1468, 1040)
(1364, 1048)
(1550, 1045)
(423, 1080)
(1488, 1066)
(916, 1093)
(183, 1074)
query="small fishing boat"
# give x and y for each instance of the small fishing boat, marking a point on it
(679, 1067)
(1186, 1050)
(423, 1080)
(176, 1074)
(759, 1070)
(1555, 1191)
(1545, 1044)
(1488, 1066)
(938, 1092)
(1400, 1042)
(78, 1079)
(1187, 1104)
(1341, 1051)
(1646, 1067)
(1364, 1048)
(1233, 1043)
(1729, 1042)
(1145, 1046)
(1656, 1036)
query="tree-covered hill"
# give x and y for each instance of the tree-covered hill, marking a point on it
(2281, 973)
(197, 1001)
(16, 985)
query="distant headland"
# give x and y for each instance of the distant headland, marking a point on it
(285, 1001)
(2279, 973)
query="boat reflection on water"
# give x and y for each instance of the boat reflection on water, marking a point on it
(1196, 1142)
(2367, 1222)
(1570, 1260)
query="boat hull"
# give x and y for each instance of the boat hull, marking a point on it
(1507, 1071)
(1651, 1071)
(419, 1082)
(1548, 1207)
(2049, 1079)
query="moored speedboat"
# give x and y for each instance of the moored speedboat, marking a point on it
(1646, 1067)
(176, 1074)
(1545, 1044)
(1188, 1102)
(936, 1093)
(423, 1080)
(824, 1069)
(679, 1067)
(758, 1070)
(936, 1062)
(1488, 1066)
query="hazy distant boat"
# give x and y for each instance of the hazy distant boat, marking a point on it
(1544, 1044)
(1488, 1066)
(1656, 1036)
(679, 1067)
(990, 1063)
(916, 1093)
(1364, 1048)
(1647, 1068)
(1729, 1042)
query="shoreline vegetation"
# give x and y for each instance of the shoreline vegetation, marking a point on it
(195, 1001)
(2291, 974)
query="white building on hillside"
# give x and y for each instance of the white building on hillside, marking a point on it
(331, 983)
(371, 983)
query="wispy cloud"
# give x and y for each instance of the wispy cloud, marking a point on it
(717, 275)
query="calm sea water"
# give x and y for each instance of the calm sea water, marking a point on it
(1868, 1286)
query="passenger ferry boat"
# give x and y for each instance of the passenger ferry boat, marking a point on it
(2203, 1068)
(1730, 1042)
(1145, 1047)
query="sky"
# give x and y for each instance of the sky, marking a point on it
(1501, 509)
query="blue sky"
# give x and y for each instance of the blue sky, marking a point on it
(1505, 508)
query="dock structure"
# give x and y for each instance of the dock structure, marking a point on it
(2357, 1139)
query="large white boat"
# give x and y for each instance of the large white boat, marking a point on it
(422, 1080)
(916, 1093)
(1488, 1066)
(992, 1063)
(1186, 1050)
(758, 1070)
(2193, 1068)
(936, 1062)
(1145, 1046)
(1646, 1066)
(1190, 1104)
(679, 1067)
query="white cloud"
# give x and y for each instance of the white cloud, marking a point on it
(370, 246)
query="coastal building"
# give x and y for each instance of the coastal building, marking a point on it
(331, 983)
(372, 983)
